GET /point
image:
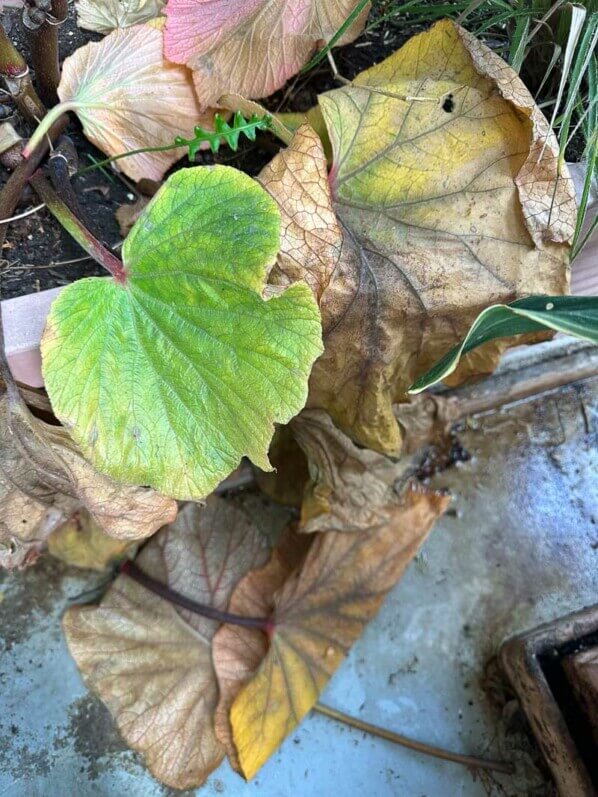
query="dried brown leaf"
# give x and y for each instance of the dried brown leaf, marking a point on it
(350, 489)
(44, 478)
(150, 661)
(311, 238)
(445, 207)
(318, 613)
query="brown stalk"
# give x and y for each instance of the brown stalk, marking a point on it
(473, 762)
(130, 569)
(10, 195)
(45, 51)
(63, 214)
(15, 72)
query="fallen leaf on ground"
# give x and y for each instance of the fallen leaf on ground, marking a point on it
(317, 615)
(446, 209)
(44, 478)
(236, 651)
(80, 542)
(251, 47)
(186, 366)
(127, 214)
(350, 489)
(150, 661)
(128, 96)
(103, 16)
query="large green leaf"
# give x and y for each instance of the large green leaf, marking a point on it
(170, 378)
(573, 315)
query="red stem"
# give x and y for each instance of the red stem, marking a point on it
(62, 213)
(264, 624)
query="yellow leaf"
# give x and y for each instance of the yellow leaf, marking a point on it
(446, 208)
(236, 651)
(319, 611)
(80, 542)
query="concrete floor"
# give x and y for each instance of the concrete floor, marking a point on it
(518, 547)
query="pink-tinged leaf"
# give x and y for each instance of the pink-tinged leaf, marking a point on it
(149, 660)
(128, 96)
(251, 47)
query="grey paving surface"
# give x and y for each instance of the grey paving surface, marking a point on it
(520, 546)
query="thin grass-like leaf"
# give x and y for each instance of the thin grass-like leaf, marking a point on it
(578, 15)
(519, 43)
(592, 163)
(338, 35)
(544, 19)
(580, 66)
(473, 6)
(556, 54)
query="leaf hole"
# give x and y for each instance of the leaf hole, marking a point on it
(448, 104)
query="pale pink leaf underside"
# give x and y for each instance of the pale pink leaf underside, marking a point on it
(128, 96)
(251, 47)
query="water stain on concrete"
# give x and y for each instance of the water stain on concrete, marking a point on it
(28, 597)
(92, 733)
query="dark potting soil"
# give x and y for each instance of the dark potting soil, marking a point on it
(38, 254)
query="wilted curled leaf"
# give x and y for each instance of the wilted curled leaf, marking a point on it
(149, 660)
(103, 16)
(317, 615)
(350, 489)
(171, 376)
(251, 46)
(446, 209)
(44, 478)
(80, 542)
(128, 96)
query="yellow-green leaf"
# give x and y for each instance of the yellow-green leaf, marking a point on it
(170, 377)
